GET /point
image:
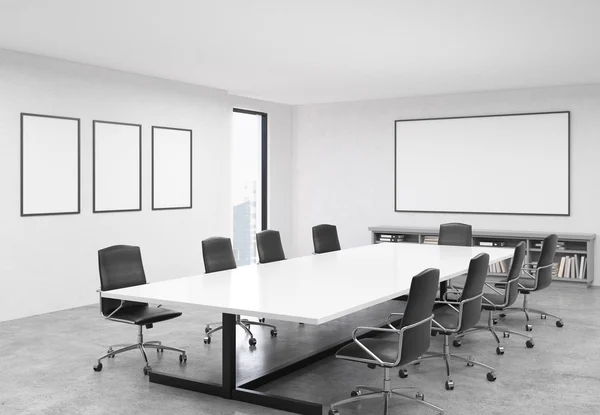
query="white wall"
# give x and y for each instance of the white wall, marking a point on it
(343, 171)
(279, 155)
(50, 262)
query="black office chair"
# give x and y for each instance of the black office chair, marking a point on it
(536, 277)
(498, 301)
(270, 249)
(457, 234)
(218, 256)
(412, 341)
(121, 266)
(325, 239)
(453, 317)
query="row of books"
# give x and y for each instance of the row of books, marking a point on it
(572, 267)
(430, 240)
(498, 268)
(391, 238)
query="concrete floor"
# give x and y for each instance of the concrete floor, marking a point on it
(46, 366)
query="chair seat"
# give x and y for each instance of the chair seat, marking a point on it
(386, 350)
(447, 317)
(497, 299)
(144, 314)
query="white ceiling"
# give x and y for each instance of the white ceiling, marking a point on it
(311, 51)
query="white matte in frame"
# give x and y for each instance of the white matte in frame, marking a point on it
(116, 167)
(171, 168)
(50, 165)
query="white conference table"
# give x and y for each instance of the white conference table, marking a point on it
(313, 289)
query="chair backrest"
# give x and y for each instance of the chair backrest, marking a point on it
(325, 239)
(544, 275)
(474, 283)
(217, 254)
(512, 290)
(458, 234)
(268, 244)
(119, 266)
(421, 298)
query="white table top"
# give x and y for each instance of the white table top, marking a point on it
(313, 289)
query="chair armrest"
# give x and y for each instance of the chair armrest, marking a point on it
(388, 321)
(450, 304)
(487, 284)
(399, 332)
(362, 346)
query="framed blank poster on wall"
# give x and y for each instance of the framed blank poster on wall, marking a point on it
(171, 168)
(117, 167)
(515, 164)
(50, 165)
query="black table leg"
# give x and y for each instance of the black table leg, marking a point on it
(229, 355)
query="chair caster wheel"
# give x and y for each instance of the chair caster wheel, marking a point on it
(354, 394)
(110, 351)
(333, 412)
(160, 350)
(207, 329)
(420, 395)
(182, 358)
(273, 333)
(207, 340)
(506, 335)
(252, 341)
(559, 323)
(456, 343)
(371, 366)
(500, 350)
(98, 367)
(403, 373)
(470, 362)
(502, 315)
(529, 344)
(491, 376)
(449, 385)
(543, 316)
(528, 327)
(147, 370)
(261, 320)
(495, 320)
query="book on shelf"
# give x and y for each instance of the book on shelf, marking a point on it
(559, 245)
(555, 269)
(561, 267)
(391, 238)
(430, 240)
(492, 243)
(575, 270)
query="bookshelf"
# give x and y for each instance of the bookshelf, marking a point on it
(573, 262)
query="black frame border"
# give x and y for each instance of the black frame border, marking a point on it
(264, 178)
(28, 114)
(487, 213)
(94, 210)
(191, 167)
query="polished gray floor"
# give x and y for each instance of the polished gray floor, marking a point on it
(46, 365)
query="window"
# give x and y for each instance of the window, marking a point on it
(249, 182)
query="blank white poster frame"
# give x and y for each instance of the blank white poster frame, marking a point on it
(117, 169)
(508, 164)
(50, 165)
(171, 168)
